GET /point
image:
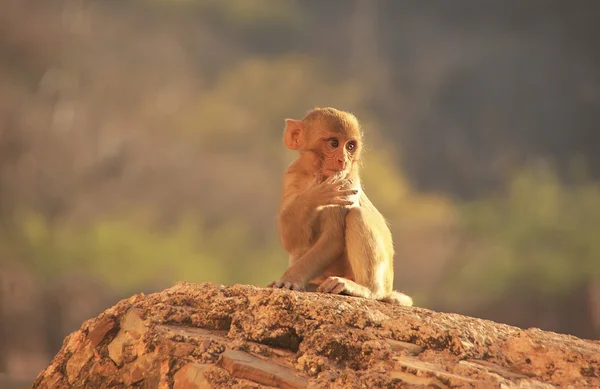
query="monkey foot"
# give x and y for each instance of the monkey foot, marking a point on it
(286, 285)
(333, 285)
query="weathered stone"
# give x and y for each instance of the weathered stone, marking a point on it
(182, 349)
(412, 379)
(492, 367)
(127, 345)
(161, 377)
(192, 332)
(265, 337)
(78, 360)
(246, 366)
(418, 366)
(399, 346)
(191, 376)
(136, 371)
(120, 342)
(133, 323)
(104, 368)
(100, 330)
(72, 341)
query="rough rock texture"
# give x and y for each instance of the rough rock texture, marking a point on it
(210, 336)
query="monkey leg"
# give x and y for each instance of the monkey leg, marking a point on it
(341, 285)
(370, 253)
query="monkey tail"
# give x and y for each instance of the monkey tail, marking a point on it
(400, 299)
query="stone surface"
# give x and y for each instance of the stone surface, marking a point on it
(128, 343)
(243, 365)
(81, 357)
(98, 333)
(409, 347)
(210, 336)
(191, 376)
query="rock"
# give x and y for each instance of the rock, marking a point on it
(244, 365)
(416, 366)
(100, 330)
(128, 344)
(191, 376)
(415, 380)
(136, 371)
(211, 336)
(81, 357)
(397, 345)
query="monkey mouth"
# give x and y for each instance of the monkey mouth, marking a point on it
(330, 172)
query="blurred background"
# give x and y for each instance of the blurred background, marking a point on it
(141, 144)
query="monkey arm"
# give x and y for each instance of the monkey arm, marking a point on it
(296, 219)
(313, 262)
(300, 207)
(297, 213)
(328, 247)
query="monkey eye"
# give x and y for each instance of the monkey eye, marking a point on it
(334, 142)
(350, 146)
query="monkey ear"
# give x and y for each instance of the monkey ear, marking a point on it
(293, 131)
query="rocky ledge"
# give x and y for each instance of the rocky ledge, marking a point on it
(211, 336)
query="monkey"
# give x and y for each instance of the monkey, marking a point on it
(337, 241)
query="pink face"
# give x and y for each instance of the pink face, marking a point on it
(338, 153)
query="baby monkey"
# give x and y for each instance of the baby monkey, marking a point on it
(337, 240)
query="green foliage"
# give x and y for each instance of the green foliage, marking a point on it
(254, 14)
(383, 181)
(127, 254)
(543, 234)
(244, 111)
(390, 190)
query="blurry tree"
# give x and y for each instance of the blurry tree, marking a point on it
(541, 239)
(474, 106)
(255, 14)
(124, 255)
(260, 26)
(140, 144)
(424, 225)
(250, 100)
(242, 117)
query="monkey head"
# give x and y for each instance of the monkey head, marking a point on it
(333, 136)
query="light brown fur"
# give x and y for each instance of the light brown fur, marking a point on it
(337, 240)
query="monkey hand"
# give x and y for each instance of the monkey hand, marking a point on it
(281, 284)
(334, 285)
(333, 191)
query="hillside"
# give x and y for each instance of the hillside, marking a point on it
(211, 336)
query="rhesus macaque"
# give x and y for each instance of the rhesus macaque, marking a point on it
(337, 240)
